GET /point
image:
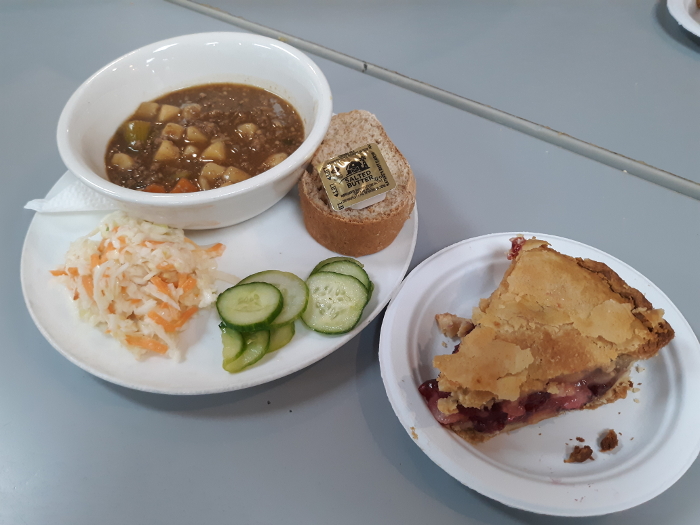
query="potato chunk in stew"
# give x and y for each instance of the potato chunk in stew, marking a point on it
(215, 152)
(202, 138)
(168, 113)
(195, 134)
(167, 151)
(173, 131)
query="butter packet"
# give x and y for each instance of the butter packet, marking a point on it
(356, 176)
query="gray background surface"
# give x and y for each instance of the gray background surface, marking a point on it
(327, 448)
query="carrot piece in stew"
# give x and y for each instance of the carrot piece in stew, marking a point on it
(155, 188)
(184, 186)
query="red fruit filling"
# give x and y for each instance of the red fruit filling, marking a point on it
(571, 396)
(516, 244)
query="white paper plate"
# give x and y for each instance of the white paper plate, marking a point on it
(526, 469)
(686, 14)
(276, 239)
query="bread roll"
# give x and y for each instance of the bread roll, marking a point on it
(369, 230)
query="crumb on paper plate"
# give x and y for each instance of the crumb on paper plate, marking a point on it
(609, 441)
(413, 433)
(453, 326)
(580, 454)
(580, 440)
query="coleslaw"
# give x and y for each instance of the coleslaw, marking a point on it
(140, 282)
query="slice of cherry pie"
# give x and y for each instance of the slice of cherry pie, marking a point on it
(558, 334)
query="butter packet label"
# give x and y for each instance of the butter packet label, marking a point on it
(356, 176)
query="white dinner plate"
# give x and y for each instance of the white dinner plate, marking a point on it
(659, 439)
(686, 14)
(276, 239)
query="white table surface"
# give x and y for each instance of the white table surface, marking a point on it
(327, 447)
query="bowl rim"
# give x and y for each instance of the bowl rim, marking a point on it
(302, 154)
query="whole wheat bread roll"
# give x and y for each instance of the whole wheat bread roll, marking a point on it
(369, 230)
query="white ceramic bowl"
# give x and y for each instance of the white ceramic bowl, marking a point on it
(107, 98)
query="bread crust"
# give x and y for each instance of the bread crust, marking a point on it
(356, 232)
(354, 239)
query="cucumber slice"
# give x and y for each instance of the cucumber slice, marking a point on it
(335, 259)
(348, 268)
(280, 336)
(295, 294)
(233, 343)
(335, 304)
(256, 345)
(249, 307)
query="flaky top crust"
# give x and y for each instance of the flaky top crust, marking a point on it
(553, 319)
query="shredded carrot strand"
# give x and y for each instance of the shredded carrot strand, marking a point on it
(217, 250)
(147, 342)
(58, 272)
(169, 327)
(165, 266)
(160, 284)
(169, 311)
(172, 326)
(189, 283)
(88, 285)
(72, 271)
(186, 316)
(94, 260)
(111, 309)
